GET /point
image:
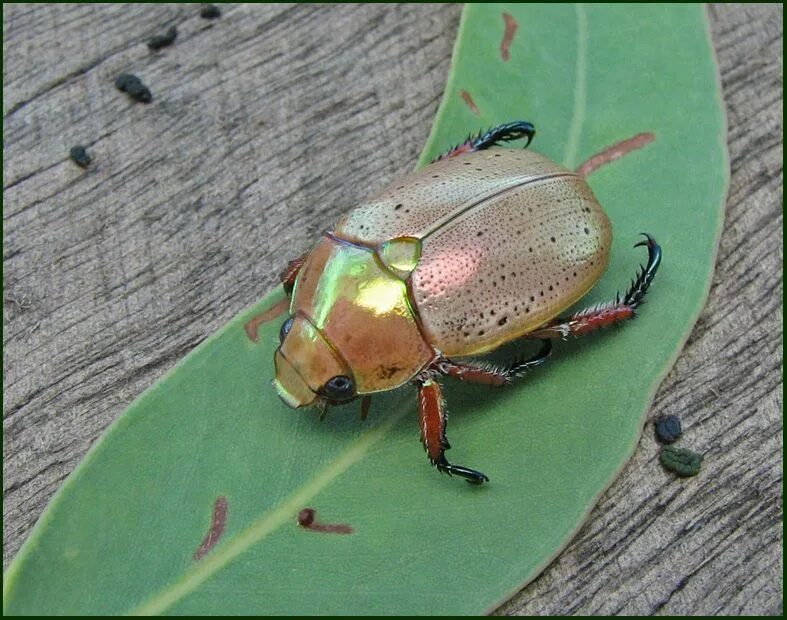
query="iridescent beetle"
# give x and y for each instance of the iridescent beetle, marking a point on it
(483, 246)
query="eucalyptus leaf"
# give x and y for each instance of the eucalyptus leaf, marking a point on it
(122, 534)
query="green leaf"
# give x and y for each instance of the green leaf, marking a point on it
(121, 534)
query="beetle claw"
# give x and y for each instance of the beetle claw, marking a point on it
(645, 275)
(492, 137)
(649, 241)
(470, 475)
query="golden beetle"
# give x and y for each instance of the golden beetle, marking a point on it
(483, 246)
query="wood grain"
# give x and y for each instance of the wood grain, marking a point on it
(265, 126)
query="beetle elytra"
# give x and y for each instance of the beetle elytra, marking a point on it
(483, 246)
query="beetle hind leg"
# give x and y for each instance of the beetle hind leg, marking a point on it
(640, 285)
(492, 137)
(612, 312)
(433, 422)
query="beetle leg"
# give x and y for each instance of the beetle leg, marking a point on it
(489, 375)
(290, 272)
(492, 137)
(612, 312)
(366, 402)
(433, 422)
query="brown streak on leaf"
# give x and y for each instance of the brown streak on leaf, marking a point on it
(271, 313)
(508, 35)
(216, 528)
(307, 522)
(468, 99)
(616, 151)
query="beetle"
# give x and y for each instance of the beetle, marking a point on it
(483, 246)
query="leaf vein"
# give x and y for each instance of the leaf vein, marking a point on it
(580, 89)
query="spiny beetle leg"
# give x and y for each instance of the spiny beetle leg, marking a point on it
(433, 418)
(490, 375)
(505, 133)
(636, 293)
(290, 272)
(491, 137)
(520, 368)
(471, 475)
(599, 316)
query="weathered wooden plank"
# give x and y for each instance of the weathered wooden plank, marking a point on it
(708, 545)
(266, 125)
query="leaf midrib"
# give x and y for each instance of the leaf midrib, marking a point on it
(580, 89)
(267, 523)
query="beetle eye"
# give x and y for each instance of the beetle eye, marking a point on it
(339, 388)
(285, 329)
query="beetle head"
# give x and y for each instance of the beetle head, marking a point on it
(307, 367)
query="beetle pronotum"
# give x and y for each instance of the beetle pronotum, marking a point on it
(483, 246)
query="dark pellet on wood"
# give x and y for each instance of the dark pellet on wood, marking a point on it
(163, 40)
(681, 461)
(210, 11)
(133, 87)
(79, 156)
(668, 429)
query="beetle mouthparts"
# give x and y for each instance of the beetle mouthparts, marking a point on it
(290, 387)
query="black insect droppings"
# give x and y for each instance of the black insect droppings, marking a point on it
(668, 429)
(681, 461)
(133, 87)
(163, 40)
(210, 11)
(79, 156)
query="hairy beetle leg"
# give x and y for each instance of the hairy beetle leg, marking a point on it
(492, 137)
(641, 284)
(431, 409)
(471, 475)
(612, 312)
(489, 375)
(290, 272)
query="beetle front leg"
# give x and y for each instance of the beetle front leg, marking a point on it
(492, 137)
(612, 312)
(489, 375)
(290, 272)
(431, 409)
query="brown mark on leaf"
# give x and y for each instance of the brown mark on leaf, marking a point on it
(508, 35)
(252, 325)
(616, 151)
(469, 101)
(216, 528)
(307, 522)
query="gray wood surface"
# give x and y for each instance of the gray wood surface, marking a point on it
(266, 125)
